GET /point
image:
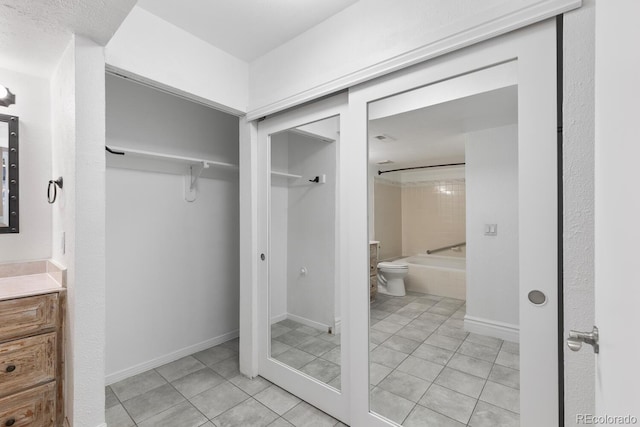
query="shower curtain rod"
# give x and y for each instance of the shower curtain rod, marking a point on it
(421, 167)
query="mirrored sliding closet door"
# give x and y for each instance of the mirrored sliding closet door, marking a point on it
(301, 344)
(457, 318)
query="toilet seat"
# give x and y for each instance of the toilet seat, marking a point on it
(393, 266)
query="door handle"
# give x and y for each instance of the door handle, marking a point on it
(576, 338)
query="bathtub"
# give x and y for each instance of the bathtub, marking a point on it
(443, 275)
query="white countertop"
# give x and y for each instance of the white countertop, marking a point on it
(24, 286)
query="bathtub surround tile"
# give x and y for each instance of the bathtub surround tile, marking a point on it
(152, 402)
(459, 381)
(486, 415)
(448, 402)
(137, 385)
(469, 365)
(181, 367)
(387, 357)
(183, 414)
(403, 345)
(197, 382)
(420, 368)
(248, 413)
(505, 376)
(389, 405)
(433, 354)
(277, 399)
(509, 360)
(501, 396)
(305, 415)
(478, 351)
(421, 416)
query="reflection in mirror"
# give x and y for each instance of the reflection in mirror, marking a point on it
(444, 287)
(9, 153)
(304, 304)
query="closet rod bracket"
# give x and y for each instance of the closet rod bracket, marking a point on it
(191, 180)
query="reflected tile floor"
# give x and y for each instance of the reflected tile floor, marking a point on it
(309, 350)
(206, 390)
(427, 370)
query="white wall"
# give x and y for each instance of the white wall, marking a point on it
(617, 206)
(311, 237)
(172, 266)
(578, 200)
(492, 198)
(152, 50)
(78, 102)
(33, 108)
(363, 35)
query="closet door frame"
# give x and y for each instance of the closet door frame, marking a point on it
(534, 49)
(332, 401)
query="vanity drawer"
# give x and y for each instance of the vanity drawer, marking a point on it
(27, 362)
(25, 316)
(33, 408)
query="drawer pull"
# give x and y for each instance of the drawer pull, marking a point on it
(11, 368)
(10, 422)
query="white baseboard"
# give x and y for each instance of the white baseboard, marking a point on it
(278, 318)
(168, 358)
(308, 322)
(102, 425)
(492, 328)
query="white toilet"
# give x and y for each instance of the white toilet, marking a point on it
(391, 278)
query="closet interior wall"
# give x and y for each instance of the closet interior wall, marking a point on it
(172, 266)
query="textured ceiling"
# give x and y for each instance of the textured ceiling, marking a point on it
(34, 33)
(246, 29)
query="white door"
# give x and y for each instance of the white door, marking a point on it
(617, 212)
(526, 58)
(302, 334)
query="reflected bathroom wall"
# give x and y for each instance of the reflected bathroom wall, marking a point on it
(303, 298)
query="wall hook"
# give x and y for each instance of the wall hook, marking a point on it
(53, 195)
(316, 179)
(320, 179)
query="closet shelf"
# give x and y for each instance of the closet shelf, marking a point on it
(192, 160)
(286, 175)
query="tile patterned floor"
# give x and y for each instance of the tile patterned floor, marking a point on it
(314, 352)
(206, 390)
(427, 370)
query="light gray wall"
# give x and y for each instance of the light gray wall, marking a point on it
(491, 158)
(172, 266)
(33, 108)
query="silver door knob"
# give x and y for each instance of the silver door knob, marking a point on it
(576, 338)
